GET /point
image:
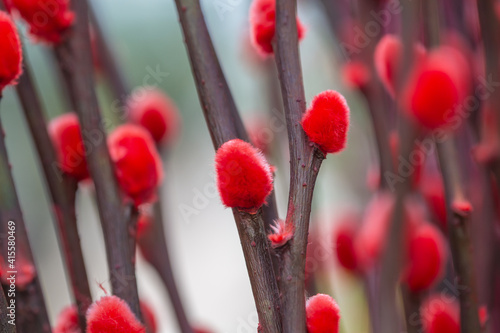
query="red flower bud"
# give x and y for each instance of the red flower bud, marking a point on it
(355, 74)
(327, 120)
(138, 165)
(436, 87)
(111, 314)
(11, 55)
(344, 240)
(155, 111)
(149, 318)
(322, 314)
(26, 272)
(427, 257)
(67, 322)
(263, 25)
(244, 177)
(282, 233)
(67, 140)
(371, 237)
(432, 189)
(387, 58)
(440, 315)
(48, 19)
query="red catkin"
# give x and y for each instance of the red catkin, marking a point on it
(67, 139)
(138, 165)
(440, 314)
(11, 54)
(48, 20)
(355, 74)
(282, 232)
(111, 314)
(155, 111)
(426, 257)
(344, 240)
(67, 322)
(26, 272)
(244, 177)
(322, 314)
(263, 25)
(326, 121)
(149, 318)
(437, 87)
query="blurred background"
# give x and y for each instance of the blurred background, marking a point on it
(145, 37)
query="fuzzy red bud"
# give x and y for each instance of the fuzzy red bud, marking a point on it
(440, 315)
(282, 232)
(48, 20)
(244, 177)
(327, 120)
(427, 256)
(67, 139)
(11, 55)
(138, 165)
(67, 322)
(111, 314)
(322, 314)
(155, 111)
(263, 25)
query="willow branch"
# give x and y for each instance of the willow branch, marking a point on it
(108, 62)
(4, 320)
(224, 124)
(491, 39)
(62, 191)
(302, 179)
(113, 214)
(459, 235)
(392, 259)
(155, 251)
(31, 311)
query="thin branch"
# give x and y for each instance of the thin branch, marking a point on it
(113, 214)
(459, 235)
(392, 259)
(4, 320)
(108, 62)
(155, 251)
(62, 190)
(224, 124)
(302, 179)
(31, 311)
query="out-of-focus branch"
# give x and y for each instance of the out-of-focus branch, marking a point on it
(75, 57)
(224, 124)
(459, 235)
(392, 259)
(155, 250)
(302, 179)
(108, 62)
(491, 39)
(31, 311)
(4, 321)
(62, 190)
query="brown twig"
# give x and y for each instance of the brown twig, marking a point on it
(76, 63)
(459, 235)
(154, 249)
(392, 259)
(108, 62)
(491, 39)
(31, 311)
(224, 124)
(62, 190)
(4, 320)
(305, 161)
